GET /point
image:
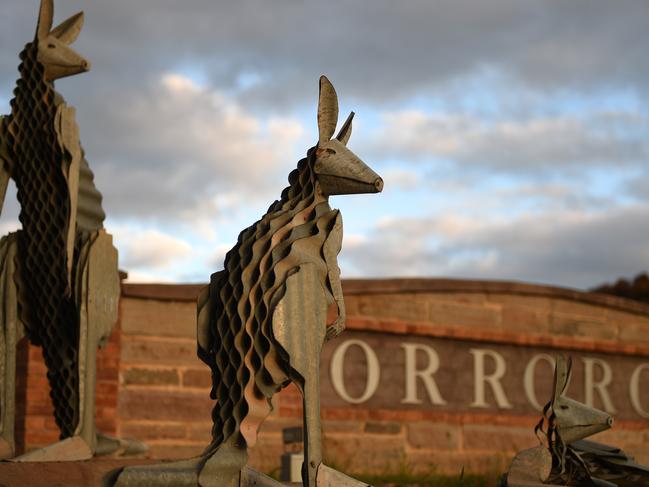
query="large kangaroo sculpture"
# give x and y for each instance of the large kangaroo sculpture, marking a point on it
(564, 457)
(59, 283)
(262, 321)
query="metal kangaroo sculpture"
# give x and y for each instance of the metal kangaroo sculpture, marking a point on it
(564, 457)
(59, 283)
(262, 321)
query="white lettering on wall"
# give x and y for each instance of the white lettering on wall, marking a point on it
(480, 379)
(337, 367)
(590, 385)
(425, 374)
(634, 390)
(528, 378)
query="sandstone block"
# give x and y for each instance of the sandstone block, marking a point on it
(160, 405)
(364, 454)
(158, 318)
(153, 430)
(151, 377)
(200, 432)
(465, 315)
(497, 438)
(459, 298)
(334, 426)
(636, 331)
(160, 352)
(581, 326)
(382, 428)
(522, 319)
(174, 451)
(392, 307)
(434, 436)
(197, 378)
(539, 303)
(569, 307)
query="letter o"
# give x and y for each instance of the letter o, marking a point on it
(528, 378)
(634, 390)
(337, 366)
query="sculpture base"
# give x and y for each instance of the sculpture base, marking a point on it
(103, 472)
(87, 473)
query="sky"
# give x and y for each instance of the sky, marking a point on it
(512, 136)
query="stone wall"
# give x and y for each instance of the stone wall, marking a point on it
(154, 388)
(35, 424)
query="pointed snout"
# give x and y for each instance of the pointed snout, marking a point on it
(352, 180)
(576, 421)
(340, 171)
(59, 59)
(368, 181)
(378, 185)
(375, 183)
(58, 71)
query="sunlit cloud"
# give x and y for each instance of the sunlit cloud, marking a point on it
(513, 138)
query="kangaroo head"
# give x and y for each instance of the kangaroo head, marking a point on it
(573, 420)
(338, 170)
(54, 52)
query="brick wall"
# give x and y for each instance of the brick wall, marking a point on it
(164, 388)
(155, 389)
(35, 424)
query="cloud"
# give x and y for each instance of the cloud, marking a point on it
(177, 149)
(537, 145)
(272, 53)
(218, 256)
(149, 249)
(194, 112)
(638, 185)
(570, 248)
(402, 179)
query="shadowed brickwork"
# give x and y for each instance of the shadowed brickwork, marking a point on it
(152, 386)
(35, 426)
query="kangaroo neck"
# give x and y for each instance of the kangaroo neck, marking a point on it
(34, 97)
(319, 196)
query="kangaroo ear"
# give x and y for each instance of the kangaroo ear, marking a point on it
(327, 110)
(346, 130)
(68, 31)
(561, 376)
(568, 375)
(45, 18)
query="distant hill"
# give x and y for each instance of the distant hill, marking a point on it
(637, 289)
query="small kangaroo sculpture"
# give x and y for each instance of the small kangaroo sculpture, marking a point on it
(564, 457)
(262, 321)
(59, 283)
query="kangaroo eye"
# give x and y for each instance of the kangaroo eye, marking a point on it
(51, 46)
(331, 151)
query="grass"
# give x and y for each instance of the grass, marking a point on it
(405, 477)
(430, 480)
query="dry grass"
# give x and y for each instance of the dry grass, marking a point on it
(431, 480)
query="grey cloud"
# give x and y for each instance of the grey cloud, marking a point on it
(390, 50)
(538, 146)
(148, 166)
(168, 150)
(383, 53)
(638, 186)
(572, 249)
(150, 249)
